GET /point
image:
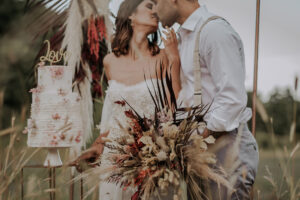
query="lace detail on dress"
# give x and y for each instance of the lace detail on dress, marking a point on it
(136, 95)
(139, 98)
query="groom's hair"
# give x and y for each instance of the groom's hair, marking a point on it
(123, 33)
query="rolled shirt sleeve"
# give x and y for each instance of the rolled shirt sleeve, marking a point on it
(223, 54)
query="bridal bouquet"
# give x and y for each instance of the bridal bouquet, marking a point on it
(165, 152)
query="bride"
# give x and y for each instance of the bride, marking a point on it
(135, 53)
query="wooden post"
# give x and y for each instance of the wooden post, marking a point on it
(72, 188)
(255, 67)
(22, 184)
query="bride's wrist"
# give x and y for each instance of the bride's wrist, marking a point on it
(173, 58)
(99, 140)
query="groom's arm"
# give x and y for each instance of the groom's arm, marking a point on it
(224, 57)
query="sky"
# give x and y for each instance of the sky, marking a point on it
(279, 48)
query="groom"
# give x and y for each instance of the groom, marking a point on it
(213, 65)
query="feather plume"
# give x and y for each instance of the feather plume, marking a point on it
(86, 103)
(72, 42)
(73, 35)
(103, 9)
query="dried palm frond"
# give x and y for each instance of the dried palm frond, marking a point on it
(45, 15)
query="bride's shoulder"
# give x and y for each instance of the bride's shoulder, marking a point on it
(109, 58)
(108, 61)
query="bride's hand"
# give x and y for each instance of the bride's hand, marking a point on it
(89, 157)
(171, 44)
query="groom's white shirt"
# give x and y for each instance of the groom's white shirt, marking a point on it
(222, 70)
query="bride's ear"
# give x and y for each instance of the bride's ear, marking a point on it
(132, 19)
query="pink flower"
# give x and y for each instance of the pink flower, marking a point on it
(33, 90)
(25, 131)
(61, 92)
(62, 136)
(54, 143)
(78, 139)
(38, 89)
(37, 99)
(66, 101)
(57, 73)
(41, 64)
(56, 116)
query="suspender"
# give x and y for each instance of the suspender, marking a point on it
(197, 65)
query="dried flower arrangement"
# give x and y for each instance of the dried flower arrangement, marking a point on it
(164, 154)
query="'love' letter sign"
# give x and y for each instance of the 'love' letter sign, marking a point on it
(53, 56)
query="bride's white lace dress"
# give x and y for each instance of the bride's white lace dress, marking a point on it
(139, 98)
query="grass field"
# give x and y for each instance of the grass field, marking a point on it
(263, 188)
(280, 182)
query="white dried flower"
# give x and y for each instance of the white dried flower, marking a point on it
(146, 140)
(130, 140)
(170, 130)
(161, 156)
(162, 144)
(210, 139)
(171, 177)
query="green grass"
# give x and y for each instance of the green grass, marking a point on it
(262, 186)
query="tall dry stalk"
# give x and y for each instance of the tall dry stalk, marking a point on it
(1, 105)
(293, 126)
(287, 187)
(12, 162)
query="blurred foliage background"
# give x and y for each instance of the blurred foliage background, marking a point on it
(17, 55)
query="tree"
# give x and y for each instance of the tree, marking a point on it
(17, 54)
(280, 108)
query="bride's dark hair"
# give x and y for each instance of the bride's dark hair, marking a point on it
(124, 31)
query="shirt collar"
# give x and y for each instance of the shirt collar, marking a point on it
(191, 22)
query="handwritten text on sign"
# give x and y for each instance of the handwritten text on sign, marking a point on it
(54, 56)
